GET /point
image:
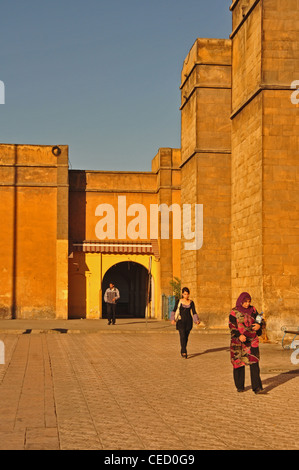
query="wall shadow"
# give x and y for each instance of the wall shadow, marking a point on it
(77, 233)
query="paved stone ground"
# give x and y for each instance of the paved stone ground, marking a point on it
(134, 391)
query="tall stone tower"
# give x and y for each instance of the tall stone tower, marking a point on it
(206, 174)
(265, 151)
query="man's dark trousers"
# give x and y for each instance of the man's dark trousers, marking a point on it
(111, 309)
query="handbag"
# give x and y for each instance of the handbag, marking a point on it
(177, 315)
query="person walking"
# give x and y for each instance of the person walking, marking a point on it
(111, 296)
(244, 347)
(184, 315)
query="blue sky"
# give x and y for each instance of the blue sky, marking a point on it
(101, 76)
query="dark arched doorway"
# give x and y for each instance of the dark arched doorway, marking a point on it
(131, 279)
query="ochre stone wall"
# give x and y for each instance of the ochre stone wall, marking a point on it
(281, 163)
(166, 165)
(206, 175)
(280, 209)
(89, 189)
(265, 165)
(246, 222)
(34, 231)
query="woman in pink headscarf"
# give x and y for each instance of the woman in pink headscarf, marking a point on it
(245, 332)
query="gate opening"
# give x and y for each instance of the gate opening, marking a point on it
(131, 279)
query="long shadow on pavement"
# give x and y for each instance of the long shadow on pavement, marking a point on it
(273, 382)
(207, 351)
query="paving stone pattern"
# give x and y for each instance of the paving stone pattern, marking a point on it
(134, 391)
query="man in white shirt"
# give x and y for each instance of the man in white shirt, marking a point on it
(111, 297)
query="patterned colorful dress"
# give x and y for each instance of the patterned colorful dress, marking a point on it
(241, 324)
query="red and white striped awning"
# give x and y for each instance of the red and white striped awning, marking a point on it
(91, 246)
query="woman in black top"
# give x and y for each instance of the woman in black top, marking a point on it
(183, 315)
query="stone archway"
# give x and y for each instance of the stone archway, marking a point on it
(131, 279)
